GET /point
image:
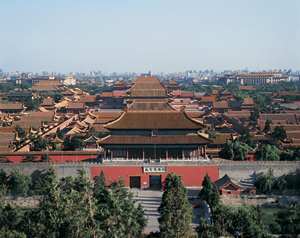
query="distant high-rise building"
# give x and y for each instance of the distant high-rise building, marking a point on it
(23, 76)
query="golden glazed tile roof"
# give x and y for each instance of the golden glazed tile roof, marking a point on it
(208, 99)
(48, 101)
(154, 120)
(12, 106)
(246, 87)
(150, 105)
(149, 86)
(57, 140)
(248, 101)
(222, 104)
(174, 83)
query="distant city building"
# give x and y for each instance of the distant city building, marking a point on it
(257, 77)
(68, 80)
(23, 76)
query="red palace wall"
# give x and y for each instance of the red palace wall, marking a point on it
(191, 175)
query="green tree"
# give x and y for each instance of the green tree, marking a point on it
(76, 143)
(21, 132)
(125, 219)
(271, 152)
(40, 144)
(19, 183)
(66, 184)
(265, 181)
(32, 137)
(248, 139)
(29, 158)
(101, 192)
(209, 192)
(66, 214)
(35, 128)
(57, 97)
(175, 209)
(280, 184)
(279, 132)
(287, 155)
(32, 105)
(10, 218)
(45, 158)
(3, 180)
(287, 221)
(245, 222)
(4, 159)
(211, 133)
(249, 222)
(55, 147)
(221, 222)
(267, 125)
(93, 132)
(39, 186)
(235, 150)
(205, 230)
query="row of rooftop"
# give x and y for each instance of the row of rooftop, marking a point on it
(172, 117)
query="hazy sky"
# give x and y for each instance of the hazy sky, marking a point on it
(158, 35)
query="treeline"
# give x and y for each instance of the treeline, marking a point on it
(83, 208)
(241, 146)
(75, 208)
(244, 221)
(266, 182)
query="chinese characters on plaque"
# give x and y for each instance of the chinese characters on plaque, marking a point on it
(154, 169)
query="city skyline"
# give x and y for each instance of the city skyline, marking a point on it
(158, 36)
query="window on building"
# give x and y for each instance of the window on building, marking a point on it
(154, 132)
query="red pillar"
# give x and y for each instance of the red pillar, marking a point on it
(111, 154)
(182, 153)
(104, 154)
(198, 153)
(205, 152)
(127, 153)
(166, 152)
(143, 153)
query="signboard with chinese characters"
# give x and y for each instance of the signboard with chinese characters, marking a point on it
(154, 169)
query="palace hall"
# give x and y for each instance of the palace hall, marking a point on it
(151, 130)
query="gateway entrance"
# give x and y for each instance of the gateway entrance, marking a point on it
(135, 182)
(155, 181)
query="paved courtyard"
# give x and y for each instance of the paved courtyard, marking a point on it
(151, 200)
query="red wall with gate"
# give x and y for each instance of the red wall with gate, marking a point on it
(191, 175)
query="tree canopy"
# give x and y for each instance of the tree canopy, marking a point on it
(175, 209)
(209, 192)
(236, 150)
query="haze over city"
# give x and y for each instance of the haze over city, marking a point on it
(168, 36)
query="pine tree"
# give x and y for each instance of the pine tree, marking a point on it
(19, 183)
(29, 158)
(175, 209)
(101, 192)
(45, 158)
(68, 213)
(10, 218)
(124, 219)
(287, 221)
(209, 192)
(3, 179)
